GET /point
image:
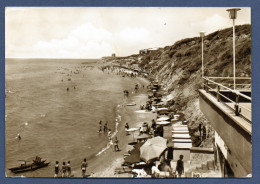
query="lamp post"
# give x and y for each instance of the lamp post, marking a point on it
(233, 15)
(202, 34)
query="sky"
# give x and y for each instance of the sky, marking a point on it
(94, 32)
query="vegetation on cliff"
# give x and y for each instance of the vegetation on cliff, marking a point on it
(178, 67)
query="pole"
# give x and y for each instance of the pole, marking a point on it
(202, 72)
(234, 55)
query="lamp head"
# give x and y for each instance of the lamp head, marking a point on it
(202, 33)
(233, 12)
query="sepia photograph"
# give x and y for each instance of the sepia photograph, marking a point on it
(128, 92)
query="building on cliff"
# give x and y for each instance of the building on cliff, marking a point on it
(147, 51)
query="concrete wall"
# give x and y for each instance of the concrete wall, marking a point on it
(236, 137)
(178, 152)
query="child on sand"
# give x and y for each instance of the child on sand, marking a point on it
(116, 145)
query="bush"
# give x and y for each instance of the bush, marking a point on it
(171, 53)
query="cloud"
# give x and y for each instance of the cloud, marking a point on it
(85, 41)
(96, 32)
(210, 24)
(88, 41)
(132, 35)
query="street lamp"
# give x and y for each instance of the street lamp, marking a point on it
(233, 15)
(202, 34)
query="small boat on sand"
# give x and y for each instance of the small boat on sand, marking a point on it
(37, 163)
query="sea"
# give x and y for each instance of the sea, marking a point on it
(56, 106)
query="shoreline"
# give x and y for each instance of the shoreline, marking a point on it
(103, 165)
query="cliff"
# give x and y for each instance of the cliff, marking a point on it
(178, 67)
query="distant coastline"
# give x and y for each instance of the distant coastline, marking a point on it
(78, 59)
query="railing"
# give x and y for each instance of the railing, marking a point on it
(220, 89)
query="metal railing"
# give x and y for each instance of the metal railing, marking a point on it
(220, 89)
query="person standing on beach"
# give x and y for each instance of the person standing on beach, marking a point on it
(84, 166)
(126, 128)
(180, 166)
(68, 169)
(63, 170)
(200, 128)
(56, 169)
(105, 127)
(136, 88)
(204, 132)
(153, 124)
(116, 145)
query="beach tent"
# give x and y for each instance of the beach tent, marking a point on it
(138, 145)
(153, 148)
(134, 158)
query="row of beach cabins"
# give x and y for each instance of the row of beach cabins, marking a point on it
(160, 144)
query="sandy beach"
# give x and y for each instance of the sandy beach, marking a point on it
(104, 164)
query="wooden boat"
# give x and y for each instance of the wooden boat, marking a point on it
(37, 163)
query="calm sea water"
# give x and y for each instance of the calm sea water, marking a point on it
(54, 123)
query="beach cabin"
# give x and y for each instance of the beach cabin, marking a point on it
(179, 142)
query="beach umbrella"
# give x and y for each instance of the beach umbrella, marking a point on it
(163, 118)
(143, 136)
(132, 129)
(163, 122)
(153, 148)
(162, 109)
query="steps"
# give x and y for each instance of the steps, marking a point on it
(204, 170)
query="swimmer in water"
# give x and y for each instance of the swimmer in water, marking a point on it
(18, 137)
(100, 126)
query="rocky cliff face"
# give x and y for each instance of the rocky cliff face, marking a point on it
(178, 67)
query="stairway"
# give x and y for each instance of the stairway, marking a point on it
(203, 170)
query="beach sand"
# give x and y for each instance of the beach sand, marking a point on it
(104, 164)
